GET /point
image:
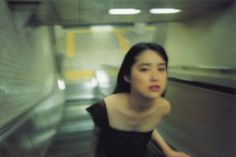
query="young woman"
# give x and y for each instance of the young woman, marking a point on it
(126, 120)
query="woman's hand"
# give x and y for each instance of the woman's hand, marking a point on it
(177, 154)
(168, 151)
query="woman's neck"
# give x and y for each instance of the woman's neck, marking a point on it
(139, 103)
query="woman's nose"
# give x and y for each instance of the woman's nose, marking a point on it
(154, 76)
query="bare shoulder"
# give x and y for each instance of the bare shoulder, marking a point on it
(165, 105)
(116, 98)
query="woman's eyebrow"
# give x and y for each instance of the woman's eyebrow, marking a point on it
(162, 64)
(144, 64)
(149, 64)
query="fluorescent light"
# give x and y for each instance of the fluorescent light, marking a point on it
(61, 84)
(164, 10)
(124, 11)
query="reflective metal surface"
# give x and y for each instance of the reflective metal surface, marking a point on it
(32, 137)
(75, 133)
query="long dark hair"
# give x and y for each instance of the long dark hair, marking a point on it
(129, 60)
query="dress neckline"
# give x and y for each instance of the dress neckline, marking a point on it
(120, 130)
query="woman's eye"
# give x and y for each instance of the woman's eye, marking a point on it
(143, 69)
(162, 69)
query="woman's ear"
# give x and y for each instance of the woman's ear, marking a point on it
(127, 79)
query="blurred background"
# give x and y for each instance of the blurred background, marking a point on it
(57, 57)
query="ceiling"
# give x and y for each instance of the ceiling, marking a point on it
(95, 12)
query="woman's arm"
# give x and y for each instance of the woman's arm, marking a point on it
(156, 137)
(167, 150)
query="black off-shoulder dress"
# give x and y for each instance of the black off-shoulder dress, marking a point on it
(117, 143)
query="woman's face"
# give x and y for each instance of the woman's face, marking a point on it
(148, 76)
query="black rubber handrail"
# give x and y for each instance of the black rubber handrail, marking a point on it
(229, 90)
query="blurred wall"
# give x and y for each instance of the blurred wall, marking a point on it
(28, 85)
(207, 40)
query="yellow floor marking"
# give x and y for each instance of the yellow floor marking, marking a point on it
(122, 41)
(79, 74)
(70, 52)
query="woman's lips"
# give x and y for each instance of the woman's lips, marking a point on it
(154, 88)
